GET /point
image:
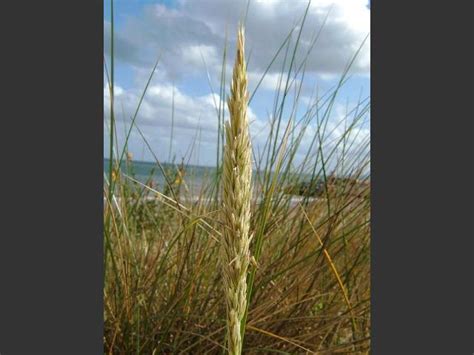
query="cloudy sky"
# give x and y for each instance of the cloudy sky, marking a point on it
(188, 37)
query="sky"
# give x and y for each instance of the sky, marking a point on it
(187, 37)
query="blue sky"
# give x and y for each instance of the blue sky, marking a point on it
(189, 37)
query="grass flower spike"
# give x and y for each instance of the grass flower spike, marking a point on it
(237, 192)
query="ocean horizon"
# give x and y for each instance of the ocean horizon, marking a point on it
(144, 171)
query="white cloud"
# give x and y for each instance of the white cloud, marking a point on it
(156, 107)
(196, 27)
(191, 116)
(270, 81)
(198, 55)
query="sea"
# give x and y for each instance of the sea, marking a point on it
(194, 176)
